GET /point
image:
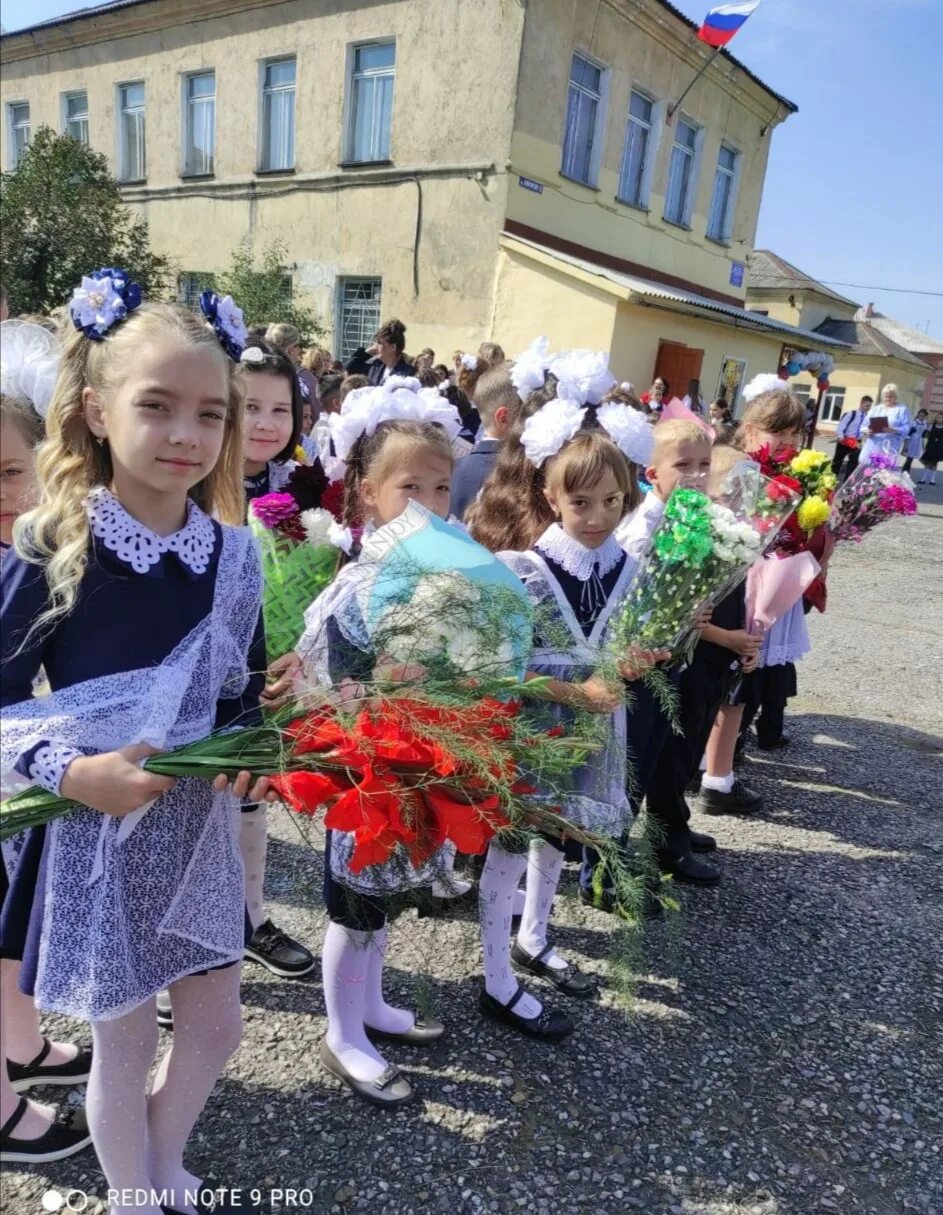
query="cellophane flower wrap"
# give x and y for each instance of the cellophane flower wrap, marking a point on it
(299, 535)
(872, 494)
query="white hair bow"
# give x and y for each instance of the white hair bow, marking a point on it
(763, 383)
(29, 363)
(400, 397)
(530, 368)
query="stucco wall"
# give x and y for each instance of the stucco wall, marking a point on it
(643, 48)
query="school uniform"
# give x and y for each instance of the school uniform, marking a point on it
(271, 480)
(106, 911)
(849, 427)
(766, 691)
(471, 473)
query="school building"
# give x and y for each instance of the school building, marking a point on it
(482, 170)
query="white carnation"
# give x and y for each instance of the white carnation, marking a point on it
(317, 523)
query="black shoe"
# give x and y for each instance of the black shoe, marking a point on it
(699, 842)
(279, 953)
(390, 1088)
(650, 907)
(165, 1018)
(569, 980)
(740, 800)
(422, 1032)
(693, 787)
(687, 868)
(777, 744)
(550, 1025)
(68, 1135)
(25, 1075)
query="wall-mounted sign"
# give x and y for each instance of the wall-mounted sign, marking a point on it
(534, 186)
(736, 274)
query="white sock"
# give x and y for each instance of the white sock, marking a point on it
(447, 885)
(207, 1032)
(116, 1102)
(722, 784)
(519, 899)
(544, 866)
(377, 1013)
(163, 1002)
(345, 960)
(497, 885)
(253, 842)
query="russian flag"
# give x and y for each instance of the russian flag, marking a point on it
(724, 20)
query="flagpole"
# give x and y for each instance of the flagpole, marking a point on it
(673, 109)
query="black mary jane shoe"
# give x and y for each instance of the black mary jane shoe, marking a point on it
(423, 1032)
(66, 1136)
(699, 841)
(550, 1025)
(569, 980)
(73, 1071)
(390, 1088)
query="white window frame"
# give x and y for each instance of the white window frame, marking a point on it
(187, 170)
(687, 211)
(833, 403)
(350, 119)
(64, 99)
(599, 126)
(15, 151)
(123, 174)
(264, 64)
(655, 129)
(726, 229)
(341, 284)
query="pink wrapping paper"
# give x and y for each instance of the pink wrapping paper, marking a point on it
(775, 585)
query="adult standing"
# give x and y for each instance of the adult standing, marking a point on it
(388, 347)
(848, 438)
(896, 426)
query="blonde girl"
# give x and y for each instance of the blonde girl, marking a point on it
(144, 612)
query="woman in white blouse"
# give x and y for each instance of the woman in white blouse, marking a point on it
(898, 425)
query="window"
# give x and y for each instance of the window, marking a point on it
(278, 115)
(636, 156)
(18, 117)
(723, 201)
(833, 404)
(132, 144)
(680, 197)
(358, 314)
(199, 123)
(584, 120)
(373, 68)
(190, 287)
(76, 116)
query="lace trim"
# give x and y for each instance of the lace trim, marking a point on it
(576, 558)
(139, 547)
(48, 765)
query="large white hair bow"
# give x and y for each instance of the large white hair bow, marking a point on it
(552, 426)
(400, 397)
(29, 363)
(529, 370)
(629, 430)
(583, 376)
(764, 383)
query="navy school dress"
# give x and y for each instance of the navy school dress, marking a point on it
(123, 620)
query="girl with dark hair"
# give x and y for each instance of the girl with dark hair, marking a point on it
(274, 414)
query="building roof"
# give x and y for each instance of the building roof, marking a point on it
(911, 339)
(771, 272)
(864, 338)
(650, 290)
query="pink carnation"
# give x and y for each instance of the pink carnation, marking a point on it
(271, 509)
(895, 500)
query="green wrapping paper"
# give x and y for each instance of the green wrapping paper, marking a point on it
(295, 573)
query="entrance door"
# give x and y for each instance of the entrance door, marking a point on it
(678, 364)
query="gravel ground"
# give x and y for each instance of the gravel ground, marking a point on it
(782, 1055)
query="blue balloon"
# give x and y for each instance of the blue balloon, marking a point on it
(793, 367)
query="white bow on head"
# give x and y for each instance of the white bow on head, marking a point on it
(400, 397)
(29, 363)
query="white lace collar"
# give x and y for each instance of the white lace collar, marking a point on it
(576, 558)
(139, 547)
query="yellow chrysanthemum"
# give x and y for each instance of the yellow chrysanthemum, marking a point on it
(807, 461)
(813, 513)
(300, 455)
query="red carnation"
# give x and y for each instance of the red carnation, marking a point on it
(333, 500)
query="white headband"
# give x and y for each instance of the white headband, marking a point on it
(400, 397)
(764, 383)
(29, 363)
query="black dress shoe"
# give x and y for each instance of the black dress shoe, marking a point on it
(550, 1025)
(66, 1136)
(390, 1088)
(699, 842)
(422, 1032)
(777, 744)
(279, 952)
(649, 908)
(740, 800)
(569, 980)
(74, 1071)
(688, 868)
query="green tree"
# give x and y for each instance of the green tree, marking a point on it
(263, 292)
(61, 216)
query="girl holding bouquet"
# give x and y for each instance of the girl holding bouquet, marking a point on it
(144, 613)
(391, 461)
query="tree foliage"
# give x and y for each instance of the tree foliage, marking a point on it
(62, 216)
(263, 291)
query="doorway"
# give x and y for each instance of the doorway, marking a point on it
(678, 364)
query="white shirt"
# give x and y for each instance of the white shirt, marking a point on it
(898, 425)
(850, 425)
(695, 404)
(634, 533)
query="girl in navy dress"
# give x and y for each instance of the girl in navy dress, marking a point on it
(144, 613)
(390, 461)
(578, 487)
(29, 1132)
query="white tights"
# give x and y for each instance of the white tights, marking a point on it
(497, 888)
(253, 844)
